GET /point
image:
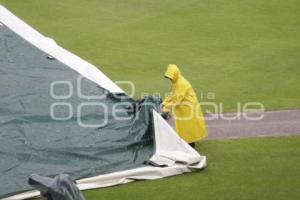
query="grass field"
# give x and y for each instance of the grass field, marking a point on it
(265, 168)
(239, 50)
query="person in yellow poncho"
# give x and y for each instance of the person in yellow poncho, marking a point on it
(184, 105)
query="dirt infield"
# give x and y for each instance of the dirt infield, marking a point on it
(272, 123)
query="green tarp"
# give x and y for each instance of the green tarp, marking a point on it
(34, 85)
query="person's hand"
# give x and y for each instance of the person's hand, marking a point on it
(165, 115)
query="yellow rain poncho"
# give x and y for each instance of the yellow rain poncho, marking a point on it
(183, 103)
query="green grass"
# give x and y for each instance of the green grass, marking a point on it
(261, 168)
(239, 50)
